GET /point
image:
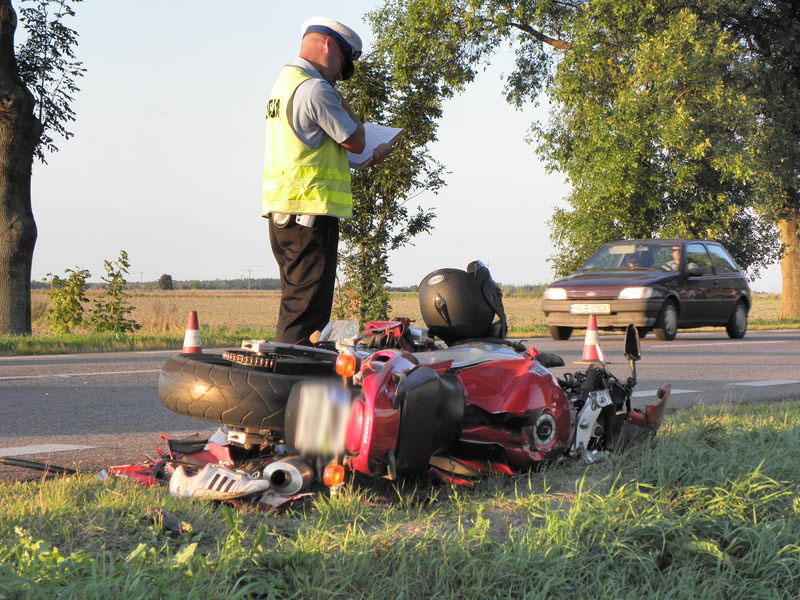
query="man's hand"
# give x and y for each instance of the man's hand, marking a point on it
(380, 153)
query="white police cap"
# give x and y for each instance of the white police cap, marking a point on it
(348, 39)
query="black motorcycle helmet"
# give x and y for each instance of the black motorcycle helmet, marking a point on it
(458, 305)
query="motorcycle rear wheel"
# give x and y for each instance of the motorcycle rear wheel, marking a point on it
(208, 387)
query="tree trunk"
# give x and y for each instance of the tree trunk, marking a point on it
(790, 266)
(19, 131)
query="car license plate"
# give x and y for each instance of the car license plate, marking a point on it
(590, 309)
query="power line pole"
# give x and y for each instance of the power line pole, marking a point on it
(250, 269)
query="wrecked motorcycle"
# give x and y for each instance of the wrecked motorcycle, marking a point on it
(470, 409)
(390, 402)
(481, 406)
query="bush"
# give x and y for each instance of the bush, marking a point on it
(165, 282)
(67, 297)
(110, 314)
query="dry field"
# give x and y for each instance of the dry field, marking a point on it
(165, 312)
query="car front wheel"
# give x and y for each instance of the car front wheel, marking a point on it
(560, 333)
(667, 325)
(737, 326)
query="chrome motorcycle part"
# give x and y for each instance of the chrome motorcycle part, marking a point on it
(289, 476)
(242, 437)
(596, 401)
(545, 429)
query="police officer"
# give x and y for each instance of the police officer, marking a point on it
(306, 174)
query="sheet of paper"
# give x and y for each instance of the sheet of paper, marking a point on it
(375, 136)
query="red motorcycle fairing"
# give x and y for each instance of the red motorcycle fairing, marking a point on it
(509, 404)
(381, 420)
(514, 390)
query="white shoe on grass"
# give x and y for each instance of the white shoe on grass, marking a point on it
(215, 482)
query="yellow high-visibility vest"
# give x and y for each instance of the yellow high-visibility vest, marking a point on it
(297, 178)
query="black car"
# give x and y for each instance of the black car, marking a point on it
(656, 285)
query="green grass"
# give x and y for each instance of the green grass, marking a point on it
(711, 510)
(11, 345)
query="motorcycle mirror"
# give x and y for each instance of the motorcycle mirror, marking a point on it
(632, 347)
(633, 351)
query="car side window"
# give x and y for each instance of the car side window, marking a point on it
(722, 262)
(697, 257)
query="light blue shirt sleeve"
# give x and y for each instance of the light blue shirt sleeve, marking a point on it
(317, 111)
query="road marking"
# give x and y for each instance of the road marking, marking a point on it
(766, 383)
(40, 449)
(730, 343)
(67, 375)
(88, 354)
(642, 393)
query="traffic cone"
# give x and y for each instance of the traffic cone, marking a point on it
(191, 341)
(591, 346)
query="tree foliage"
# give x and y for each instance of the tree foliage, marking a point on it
(111, 312)
(48, 66)
(67, 297)
(382, 220)
(670, 117)
(165, 282)
(653, 124)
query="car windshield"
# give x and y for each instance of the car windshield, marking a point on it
(630, 256)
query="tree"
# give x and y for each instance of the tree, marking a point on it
(381, 220)
(19, 133)
(680, 120)
(165, 282)
(67, 297)
(654, 127)
(670, 117)
(46, 64)
(111, 313)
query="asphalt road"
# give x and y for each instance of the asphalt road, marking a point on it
(93, 410)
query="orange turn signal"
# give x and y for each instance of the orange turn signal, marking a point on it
(333, 475)
(346, 364)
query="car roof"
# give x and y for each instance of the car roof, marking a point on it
(665, 240)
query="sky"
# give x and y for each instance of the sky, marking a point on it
(168, 152)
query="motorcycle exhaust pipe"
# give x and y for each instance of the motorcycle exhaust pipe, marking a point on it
(289, 476)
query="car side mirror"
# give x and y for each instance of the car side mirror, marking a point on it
(633, 350)
(694, 271)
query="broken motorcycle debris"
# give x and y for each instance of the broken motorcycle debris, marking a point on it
(392, 402)
(388, 403)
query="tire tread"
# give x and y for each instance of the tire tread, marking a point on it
(233, 394)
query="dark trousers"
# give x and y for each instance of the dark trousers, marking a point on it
(306, 259)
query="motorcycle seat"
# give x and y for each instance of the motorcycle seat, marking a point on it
(468, 354)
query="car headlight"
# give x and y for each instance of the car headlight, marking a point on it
(555, 293)
(636, 293)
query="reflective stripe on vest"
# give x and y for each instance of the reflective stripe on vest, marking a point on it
(298, 178)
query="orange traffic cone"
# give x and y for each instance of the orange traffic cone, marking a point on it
(591, 346)
(191, 341)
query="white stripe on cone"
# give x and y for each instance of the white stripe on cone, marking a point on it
(191, 339)
(591, 345)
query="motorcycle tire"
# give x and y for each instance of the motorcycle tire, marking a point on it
(208, 387)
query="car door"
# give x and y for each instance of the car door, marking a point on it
(698, 288)
(728, 283)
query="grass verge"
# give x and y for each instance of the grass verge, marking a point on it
(215, 337)
(711, 510)
(107, 342)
